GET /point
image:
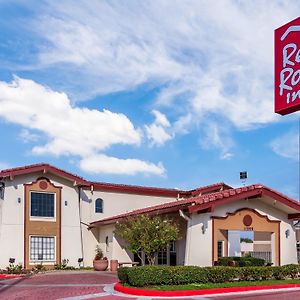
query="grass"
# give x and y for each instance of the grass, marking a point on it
(198, 286)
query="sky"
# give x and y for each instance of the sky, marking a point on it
(162, 93)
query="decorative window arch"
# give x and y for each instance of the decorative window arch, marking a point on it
(99, 205)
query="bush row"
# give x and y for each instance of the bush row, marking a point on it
(165, 275)
(244, 261)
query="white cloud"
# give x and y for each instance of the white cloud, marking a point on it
(112, 165)
(216, 136)
(205, 63)
(220, 63)
(26, 136)
(157, 131)
(69, 130)
(287, 145)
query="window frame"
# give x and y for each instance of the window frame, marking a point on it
(101, 201)
(221, 243)
(48, 262)
(41, 218)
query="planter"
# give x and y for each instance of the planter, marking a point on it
(100, 265)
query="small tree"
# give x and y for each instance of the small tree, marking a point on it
(147, 234)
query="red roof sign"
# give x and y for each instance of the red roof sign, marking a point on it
(287, 68)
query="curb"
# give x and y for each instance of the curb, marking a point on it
(9, 276)
(154, 293)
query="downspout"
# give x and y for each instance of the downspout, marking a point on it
(188, 236)
(80, 223)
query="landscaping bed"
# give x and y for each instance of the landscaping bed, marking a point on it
(191, 280)
(182, 275)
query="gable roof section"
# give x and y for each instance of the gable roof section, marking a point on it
(217, 187)
(42, 168)
(101, 186)
(205, 203)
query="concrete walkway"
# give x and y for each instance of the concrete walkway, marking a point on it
(72, 285)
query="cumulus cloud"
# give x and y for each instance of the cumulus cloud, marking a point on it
(157, 131)
(104, 164)
(203, 62)
(69, 130)
(221, 63)
(287, 145)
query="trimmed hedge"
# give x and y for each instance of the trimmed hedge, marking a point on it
(165, 275)
(244, 261)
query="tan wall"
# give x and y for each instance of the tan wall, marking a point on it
(234, 221)
(35, 226)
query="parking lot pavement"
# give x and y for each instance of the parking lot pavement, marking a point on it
(99, 285)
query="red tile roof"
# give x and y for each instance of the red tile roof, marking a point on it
(44, 168)
(102, 186)
(203, 202)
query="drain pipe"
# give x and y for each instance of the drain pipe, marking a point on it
(188, 236)
(80, 223)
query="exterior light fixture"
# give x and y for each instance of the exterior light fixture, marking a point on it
(12, 260)
(287, 233)
(19, 200)
(80, 260)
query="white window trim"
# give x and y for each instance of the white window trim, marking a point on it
(48, 262)
(47, 219)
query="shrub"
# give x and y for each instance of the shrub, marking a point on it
(165, 275)
(14, 269)
(244, 261)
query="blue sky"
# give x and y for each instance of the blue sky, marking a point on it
(160, 93)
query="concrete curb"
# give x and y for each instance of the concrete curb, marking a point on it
(154, 293)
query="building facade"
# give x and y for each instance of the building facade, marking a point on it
(48, 214)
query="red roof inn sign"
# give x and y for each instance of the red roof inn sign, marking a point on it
(287, 68)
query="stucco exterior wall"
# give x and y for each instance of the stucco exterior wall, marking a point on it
(202, 256)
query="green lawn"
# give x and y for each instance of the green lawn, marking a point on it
(198, 286)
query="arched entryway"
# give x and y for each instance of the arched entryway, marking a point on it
(244, 219)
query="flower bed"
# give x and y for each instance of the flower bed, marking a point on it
(165, 275)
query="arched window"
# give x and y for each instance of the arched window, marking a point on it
(99, 205)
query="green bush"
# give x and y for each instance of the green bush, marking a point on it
(245, 261)
(166, 275)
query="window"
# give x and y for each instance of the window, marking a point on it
(99, 205)
(42, 205)
(220, 249)
(42, 248)
(162, 257)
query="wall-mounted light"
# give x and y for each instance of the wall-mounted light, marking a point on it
(12, 260)
(203, 228)
(2, 187)
(19, 200)
(66, 203)
(287, 233)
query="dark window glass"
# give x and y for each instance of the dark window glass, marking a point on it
(220, 248)
(99, 206)
(42, 205)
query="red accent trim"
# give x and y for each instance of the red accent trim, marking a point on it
(44, 168)
(122, 188)
(293, 216)
(10, 276)
(154, 293)
(134, 189)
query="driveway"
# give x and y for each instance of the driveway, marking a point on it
(72, 285)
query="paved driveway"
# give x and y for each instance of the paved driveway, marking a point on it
(99, 285)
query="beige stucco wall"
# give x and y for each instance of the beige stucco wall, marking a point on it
(197, 254)
(76, 240)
